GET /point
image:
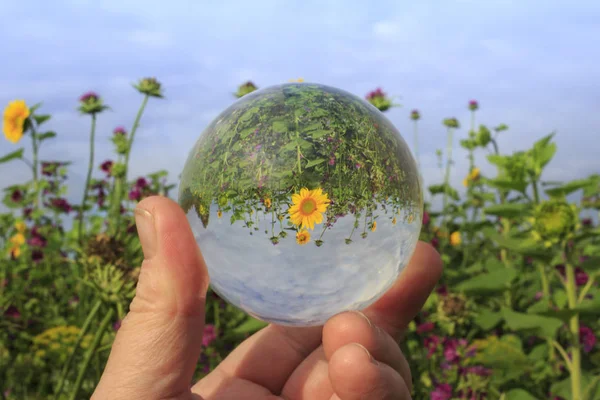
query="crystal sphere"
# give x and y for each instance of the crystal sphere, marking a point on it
(305, 201)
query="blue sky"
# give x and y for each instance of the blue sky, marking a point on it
(531, 64)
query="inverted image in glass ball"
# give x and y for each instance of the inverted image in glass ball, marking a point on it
(305, 201)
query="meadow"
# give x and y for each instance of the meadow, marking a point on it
(515, 316)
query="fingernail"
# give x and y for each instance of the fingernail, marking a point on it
(364, 316)
(144, 222)
(366, 351)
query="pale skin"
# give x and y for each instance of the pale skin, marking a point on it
(354, 356)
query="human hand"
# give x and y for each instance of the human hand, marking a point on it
(354, 356)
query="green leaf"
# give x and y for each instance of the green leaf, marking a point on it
(246, 132)
(319, 133)
(312, 163)
(591, 264)
(251, 325)
(509, 210)
(46, 135)
(543, 309)
(519, 394)
(544, 150)
(11, 156)
(543, 326)
(495, 281)
(504, 354)
(487, 319)
(539, 352)
(498, 160)
(522, 245)
(508, 184)
(279, 126)
(589, 387)
(441, 188)
(40, 119)
(568, 188)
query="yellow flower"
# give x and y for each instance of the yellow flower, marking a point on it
(308, 207)
(374, 226)
(268, 202)
(394, 221)
(299, 80)
(15, 115)
(20, 226)
(302, 237)
(18, 239)
(219, 213)
(472, 177)
(15, 252)
(455, 238)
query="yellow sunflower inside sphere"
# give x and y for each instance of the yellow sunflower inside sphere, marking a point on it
(308, 207)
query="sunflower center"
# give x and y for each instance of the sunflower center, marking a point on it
(308, 206)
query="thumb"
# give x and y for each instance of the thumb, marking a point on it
(158, 345)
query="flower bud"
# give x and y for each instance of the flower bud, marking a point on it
(91, 103)
(483, 136)
(415, 115)
(451, 123)
(245, 88)
(473, 105)
(150, 87)
(554, 221)
(379, 99)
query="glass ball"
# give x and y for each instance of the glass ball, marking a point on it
(305, 201)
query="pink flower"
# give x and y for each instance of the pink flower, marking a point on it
(141, 183)
(119, 130)
(442, 290)
(442, 392)
(479, 370)
(587, 338)
(209, 335)
(135, 194)
(375, 93)
(431, 343)
(12, 312)
(89, 96)
(61, 204)
(450, 350)
(16, 195)
(425, 218)
(473, 105)
(106, 166)
(581, 277)
(332, 161)
(425, 327)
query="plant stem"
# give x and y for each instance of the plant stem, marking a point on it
(90, 353)
(536, 194)
(136, 124)
(121, 182)
(447, 174)
(84, 329)
(545, 283)
(88, 178)
(34, 167)
(574, 328)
